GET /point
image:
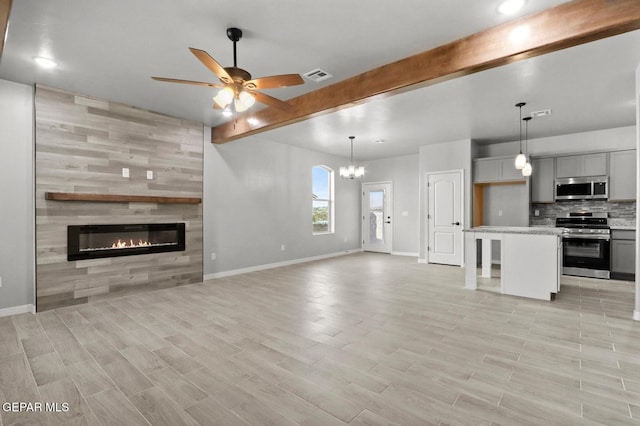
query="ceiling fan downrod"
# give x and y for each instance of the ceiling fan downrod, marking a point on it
(234, 34)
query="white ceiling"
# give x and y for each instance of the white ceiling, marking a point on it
(109, 49)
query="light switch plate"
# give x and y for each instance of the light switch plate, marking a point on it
(149, 174)
(125, 172)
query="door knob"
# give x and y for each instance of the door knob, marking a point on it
(388, 221)
(455, 223)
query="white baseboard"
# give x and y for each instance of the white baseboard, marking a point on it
(16, 310)
(404, 253)
(277, 264)
(422, 261)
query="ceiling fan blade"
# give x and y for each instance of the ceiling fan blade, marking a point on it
(274, 81)
(270, 100)
(211, 63)
(197, 83)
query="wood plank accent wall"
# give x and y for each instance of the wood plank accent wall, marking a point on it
(82, 144)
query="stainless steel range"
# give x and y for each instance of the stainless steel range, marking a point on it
(586, 241)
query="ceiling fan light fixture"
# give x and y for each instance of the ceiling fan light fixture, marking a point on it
(247, 99)
(224, 97)
(244, 101)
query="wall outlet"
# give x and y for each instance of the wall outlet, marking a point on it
(149, 174)
(213, 256)
(282, 247)
(125, 172)
(346, 239)
(536, 212)
(499, 212)
(405, 214)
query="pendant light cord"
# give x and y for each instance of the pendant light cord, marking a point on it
(352, 138)
(520, 105)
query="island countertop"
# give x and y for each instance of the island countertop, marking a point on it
(533, 230)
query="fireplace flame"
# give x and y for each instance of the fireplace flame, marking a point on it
(130, 243)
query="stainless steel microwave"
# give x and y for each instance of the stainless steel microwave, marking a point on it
(582, 188)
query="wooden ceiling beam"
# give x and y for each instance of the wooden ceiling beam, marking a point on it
(5, 9)
(566, 25)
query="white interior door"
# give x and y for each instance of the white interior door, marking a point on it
(445, 217)
(377, 229)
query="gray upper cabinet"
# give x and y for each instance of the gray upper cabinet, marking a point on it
(496, 170)
(581, 165)
(542, 182)
(486, 170)
(509, 171)
(622, 175)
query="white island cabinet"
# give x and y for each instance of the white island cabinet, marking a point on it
(530, 259)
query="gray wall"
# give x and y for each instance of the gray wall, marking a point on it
(16, 195)
(403, 172)
(257, 197)
(439, 158)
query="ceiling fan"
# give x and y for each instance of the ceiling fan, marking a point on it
(237, 88)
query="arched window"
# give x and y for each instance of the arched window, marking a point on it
(322, 199)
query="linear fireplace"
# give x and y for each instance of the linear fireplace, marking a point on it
(96, 241)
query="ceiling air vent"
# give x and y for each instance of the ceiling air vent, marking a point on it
(318, 75)
(541, 113)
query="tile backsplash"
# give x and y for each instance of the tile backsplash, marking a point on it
(619, 213)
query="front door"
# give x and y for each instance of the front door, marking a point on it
(445, 215)
(377, 228)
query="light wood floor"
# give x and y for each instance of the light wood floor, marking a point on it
(363, 339)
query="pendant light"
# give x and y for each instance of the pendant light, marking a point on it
(521, 159)
(351, 171)
(527, 169)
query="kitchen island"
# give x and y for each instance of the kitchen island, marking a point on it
(530, 259)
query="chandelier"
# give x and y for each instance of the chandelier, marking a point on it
(351, 171)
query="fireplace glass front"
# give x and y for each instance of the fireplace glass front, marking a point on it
(96, 241)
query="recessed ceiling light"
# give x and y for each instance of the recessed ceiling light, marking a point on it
(509, 7)
(45, 63)
(380, 141)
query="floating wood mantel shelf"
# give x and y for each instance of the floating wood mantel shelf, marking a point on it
(117, 198)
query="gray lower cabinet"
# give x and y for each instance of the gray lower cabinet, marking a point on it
(623, 254)
(542, 182)
(582, 165)
(622, 175)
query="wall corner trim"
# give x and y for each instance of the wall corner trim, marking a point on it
(277, 264)
(16, 310)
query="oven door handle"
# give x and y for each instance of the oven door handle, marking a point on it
(605, 237)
